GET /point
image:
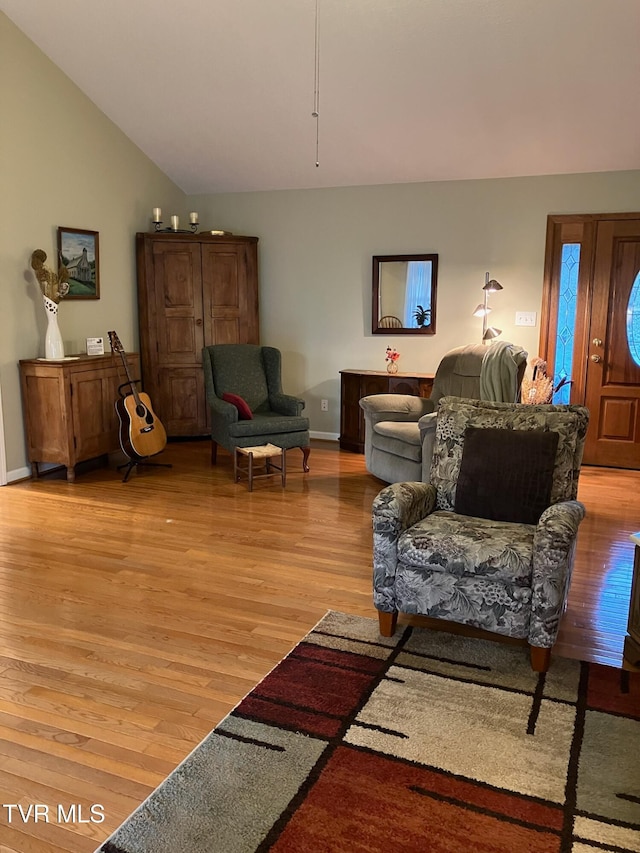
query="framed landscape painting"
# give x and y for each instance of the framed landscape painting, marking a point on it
(78, 251)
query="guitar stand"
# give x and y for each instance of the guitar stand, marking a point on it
(133, 463)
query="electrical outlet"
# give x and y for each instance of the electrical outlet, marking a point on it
(525, 318)
(324, 405)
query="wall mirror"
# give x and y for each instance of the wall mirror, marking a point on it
(404, 294)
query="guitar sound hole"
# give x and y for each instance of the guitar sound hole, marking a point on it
(141, 411)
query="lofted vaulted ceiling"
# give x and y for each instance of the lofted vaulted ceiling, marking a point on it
(219, 93)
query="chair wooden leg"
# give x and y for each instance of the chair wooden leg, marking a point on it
(214, 452)
(540, 658)
(305, 458)
(387, 623)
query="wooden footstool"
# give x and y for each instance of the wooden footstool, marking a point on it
(264, 452)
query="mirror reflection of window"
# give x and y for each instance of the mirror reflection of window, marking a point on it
(404, 294)
(393, 281)
(418, 294)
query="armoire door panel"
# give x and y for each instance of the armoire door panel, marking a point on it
(227, 331)
(178, 274)
(222, 270)
(222, 302)
(181, 407)
(178, 303)
(249, 295)
(183, 339)
(180, 340)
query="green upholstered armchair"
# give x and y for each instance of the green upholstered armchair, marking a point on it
(253, 373)
(490, 540)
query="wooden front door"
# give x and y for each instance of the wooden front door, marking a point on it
(604, 358)
(612, 374)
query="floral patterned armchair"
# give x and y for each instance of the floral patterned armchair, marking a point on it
(443, 549)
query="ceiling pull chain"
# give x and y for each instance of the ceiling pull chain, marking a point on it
(316, 83)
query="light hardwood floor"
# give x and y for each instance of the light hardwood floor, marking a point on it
(134, 616)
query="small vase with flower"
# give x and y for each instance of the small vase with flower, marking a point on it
(391, 358)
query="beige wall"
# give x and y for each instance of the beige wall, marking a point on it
(316, 248)
(62, 162)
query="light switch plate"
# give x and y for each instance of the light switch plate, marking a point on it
(525, 318)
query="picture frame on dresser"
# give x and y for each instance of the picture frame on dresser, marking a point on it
(78, 251)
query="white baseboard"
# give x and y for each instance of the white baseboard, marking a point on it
(3, 453)
(18, 474)
(325, 436)
(23, 473)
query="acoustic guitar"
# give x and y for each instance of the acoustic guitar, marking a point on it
(141, 433)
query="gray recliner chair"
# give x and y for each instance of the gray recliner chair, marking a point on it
(400, 429)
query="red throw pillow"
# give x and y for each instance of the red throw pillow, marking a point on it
(244, 412)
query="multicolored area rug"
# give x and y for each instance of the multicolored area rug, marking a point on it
(422, 743)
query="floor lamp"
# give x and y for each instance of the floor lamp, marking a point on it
(488, 332)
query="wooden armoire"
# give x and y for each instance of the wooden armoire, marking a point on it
(194, 290)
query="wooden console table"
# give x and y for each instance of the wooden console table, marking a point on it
(69, 407)
(355, 384)
(632, 640)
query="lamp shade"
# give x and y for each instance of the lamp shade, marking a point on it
(490, 333)
(481, 311)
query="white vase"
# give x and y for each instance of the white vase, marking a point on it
(53, 344)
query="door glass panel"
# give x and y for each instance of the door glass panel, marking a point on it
(565, 331)
(633, 321)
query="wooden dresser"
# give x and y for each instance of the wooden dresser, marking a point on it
(69, 407)
(355, 384)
